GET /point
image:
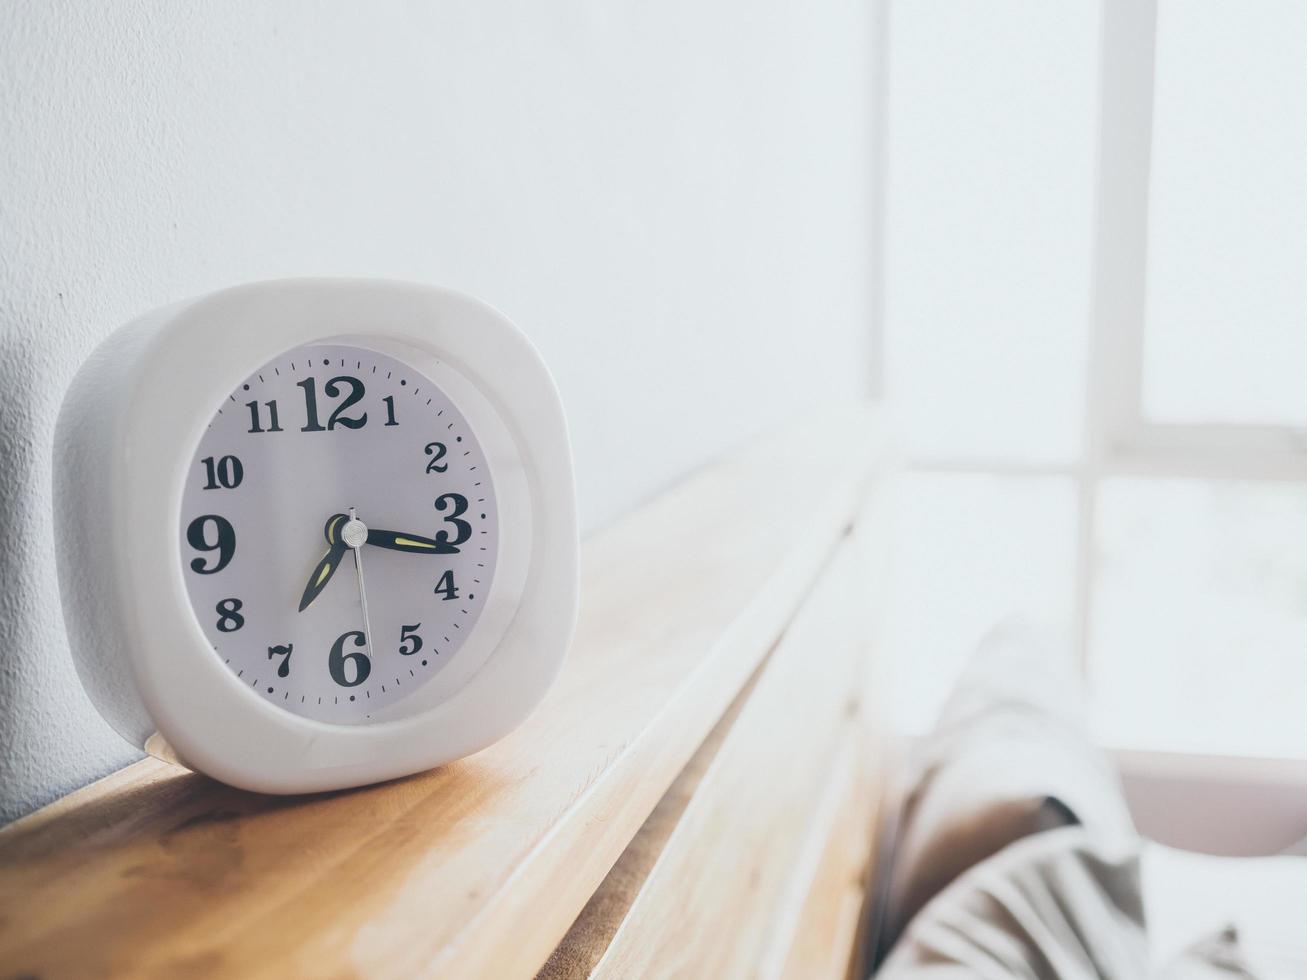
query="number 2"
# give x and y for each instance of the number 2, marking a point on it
(436, 450)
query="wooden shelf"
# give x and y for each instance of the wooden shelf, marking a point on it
(481, 868)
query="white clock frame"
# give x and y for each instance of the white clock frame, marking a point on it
(123, 449)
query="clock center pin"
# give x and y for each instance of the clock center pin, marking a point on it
(354, 533)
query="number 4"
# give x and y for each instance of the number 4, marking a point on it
(445, 587)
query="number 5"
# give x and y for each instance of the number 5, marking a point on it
(407, 633)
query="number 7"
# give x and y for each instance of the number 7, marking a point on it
(283, 670)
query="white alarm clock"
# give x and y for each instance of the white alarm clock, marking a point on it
(313, 534)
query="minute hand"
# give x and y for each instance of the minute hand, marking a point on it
(412, 543)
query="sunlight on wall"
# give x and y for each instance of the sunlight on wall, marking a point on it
(991, 131)
(991, 125)
(970, 548)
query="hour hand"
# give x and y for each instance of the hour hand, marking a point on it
(325, 568)
(412, 543)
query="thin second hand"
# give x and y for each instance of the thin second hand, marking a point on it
(363, 596)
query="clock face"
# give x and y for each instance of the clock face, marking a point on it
(339, 532)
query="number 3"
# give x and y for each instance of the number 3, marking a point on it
(463, 527)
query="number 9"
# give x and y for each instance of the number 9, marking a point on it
(225, 545)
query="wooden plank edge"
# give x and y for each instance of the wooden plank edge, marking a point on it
(579, 853)
(553, 883)
(819, 938)
(585, 942)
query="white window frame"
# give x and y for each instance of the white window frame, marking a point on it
(1118, 440)
(1119, 437)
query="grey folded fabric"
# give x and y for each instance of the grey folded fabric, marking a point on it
(1016, 856)
(1009, 757)
(1056, 906)
(1215, 957)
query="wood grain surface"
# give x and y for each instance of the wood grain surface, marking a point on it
(732, 877)
(478, 868)
(821, 939)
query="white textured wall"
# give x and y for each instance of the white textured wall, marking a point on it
(671, 198)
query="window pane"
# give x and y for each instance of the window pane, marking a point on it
(1226, 333)
(971, 550)
(1199, 637)
(991, 144)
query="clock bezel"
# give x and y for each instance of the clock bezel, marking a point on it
(161, 387)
